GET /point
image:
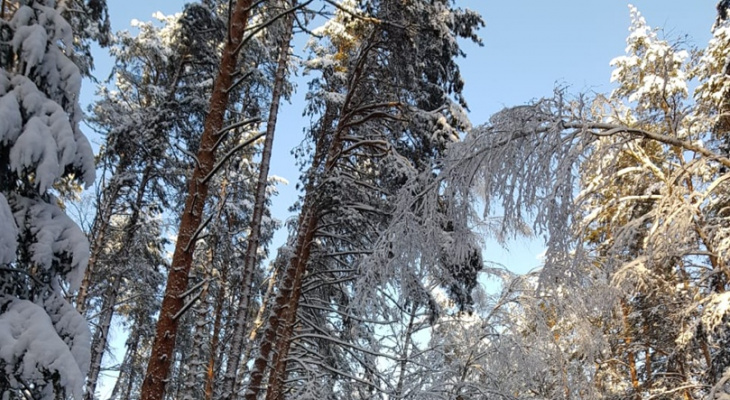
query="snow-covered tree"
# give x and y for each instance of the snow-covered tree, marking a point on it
(386, 102)
(44, 341)
(629, 191)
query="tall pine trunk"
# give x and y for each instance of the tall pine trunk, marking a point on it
(285, 298)
(288, 296)
(283, 315)
(307, 217)
(158, 368)
(251, 256)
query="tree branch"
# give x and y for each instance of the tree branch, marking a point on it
(228, 155)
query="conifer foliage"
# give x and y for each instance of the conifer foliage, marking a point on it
(44, 158)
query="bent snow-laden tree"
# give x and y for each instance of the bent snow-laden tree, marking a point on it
(387, 103)
(44, 156)
(631, 193)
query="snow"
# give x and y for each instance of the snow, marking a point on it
(8, 233)
(55, 234)
(44, 341)
(35, 153)
(32, 350)
(48, 143)
(12, 120)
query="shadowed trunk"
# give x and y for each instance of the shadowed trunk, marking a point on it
(101, 335)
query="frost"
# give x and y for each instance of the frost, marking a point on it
(716, 311)
(651, 69)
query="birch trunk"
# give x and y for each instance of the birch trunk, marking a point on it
(158, 368)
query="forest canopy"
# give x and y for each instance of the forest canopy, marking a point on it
(383, 288)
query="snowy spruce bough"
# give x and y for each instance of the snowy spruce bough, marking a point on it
(44, 342)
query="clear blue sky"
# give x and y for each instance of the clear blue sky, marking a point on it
(529, 48)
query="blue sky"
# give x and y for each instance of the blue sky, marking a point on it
(529, 48)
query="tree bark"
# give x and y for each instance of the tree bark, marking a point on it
(287, 300)
(158, 368)
(101, 335)
(278, 372)
(124, 384)
(251, 256)
(210, 374)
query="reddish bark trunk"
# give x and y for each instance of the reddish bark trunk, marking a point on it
(278, 373)
(287, 301)
(251, 258)
(158, 368)
(292, 279)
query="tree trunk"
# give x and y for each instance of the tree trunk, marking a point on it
(101, 334)
(220, 300)
(290, 289)
(292, 279)
(197, 362)
(251, 256)
(99, 229)
(254, 330)
(287, 300)
(278, 372)
(210, 374)
(122, 384)
(158, 368)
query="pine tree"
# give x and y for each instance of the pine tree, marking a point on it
(191, 223)
(379, 119)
